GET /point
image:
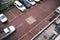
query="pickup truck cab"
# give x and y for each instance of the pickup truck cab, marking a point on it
(7, 31)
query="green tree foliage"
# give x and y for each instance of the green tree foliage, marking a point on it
(6, 6)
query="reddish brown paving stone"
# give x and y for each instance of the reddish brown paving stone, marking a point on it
(46, 11)
(27, 36)
(50, 16)
(9, 16)
(16, 12)
(22, 26)
(30, 20)
(1, 24)
(39, 27)
(21, 30)
(16, 21)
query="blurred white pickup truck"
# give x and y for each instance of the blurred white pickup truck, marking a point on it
(7, 31)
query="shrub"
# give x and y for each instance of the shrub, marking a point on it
(6, 6)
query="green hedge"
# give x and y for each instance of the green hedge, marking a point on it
(6, 6)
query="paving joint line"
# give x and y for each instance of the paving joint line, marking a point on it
(48, 17)
(36, 25)
(19, 25)
(16, 17)
(12, 14)
(41, 21)
(12, 19)
(23, 35)
(32, 33)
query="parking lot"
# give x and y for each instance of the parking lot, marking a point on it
(26, 28)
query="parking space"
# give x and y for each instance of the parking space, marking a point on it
(30, 22)
(15, 11)
(10, 16)
(27, 36)
(38, 27)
